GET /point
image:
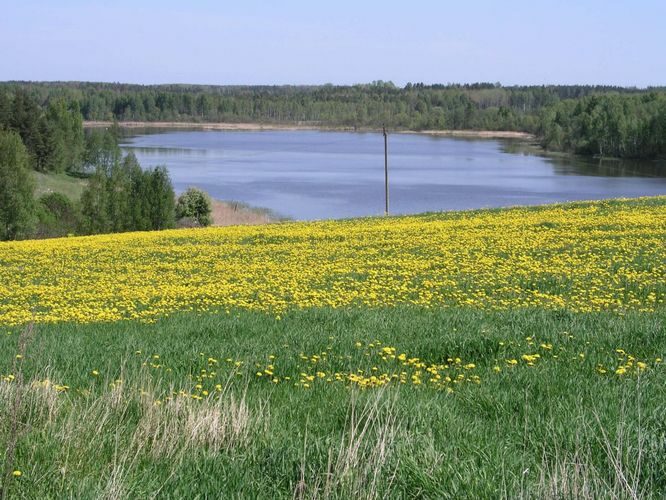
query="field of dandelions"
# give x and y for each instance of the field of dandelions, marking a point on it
(495, 353)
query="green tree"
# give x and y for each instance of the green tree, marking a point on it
(139, 207)
(160, 198)
(16, 188)
(26, 120)
(5, 110)
(102, 150)
(194, 204)
(65, 126)
(94, 204)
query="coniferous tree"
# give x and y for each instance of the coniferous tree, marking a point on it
(16, 188)
(65, 126)
(161, 199)
(139, 209)
(118, 189)
(5, 110)
(27, 121)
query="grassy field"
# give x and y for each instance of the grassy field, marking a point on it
(72, 187)
(510, 353)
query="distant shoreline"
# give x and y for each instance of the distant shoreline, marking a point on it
(481, 134)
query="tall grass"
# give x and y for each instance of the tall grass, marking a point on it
(558, 429)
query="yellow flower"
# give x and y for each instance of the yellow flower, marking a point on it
(94, 373)
(17, 473)
(347, 255)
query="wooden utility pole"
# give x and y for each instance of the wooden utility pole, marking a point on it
(386, 189)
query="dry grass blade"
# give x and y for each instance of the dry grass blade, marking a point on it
(15, 408)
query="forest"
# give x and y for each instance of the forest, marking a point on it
(582, 119)
(630, 126)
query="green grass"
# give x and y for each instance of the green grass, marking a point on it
(557, 429)
(72, 187)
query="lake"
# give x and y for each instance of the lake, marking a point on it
(316, 175)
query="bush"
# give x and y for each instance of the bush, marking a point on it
(57, 215)
(196, 206)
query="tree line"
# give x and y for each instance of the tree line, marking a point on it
(119, 195)
(583, 119)
(481, 106)
(628, 126)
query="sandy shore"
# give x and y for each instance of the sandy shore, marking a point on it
(212, 126)
(481, 134)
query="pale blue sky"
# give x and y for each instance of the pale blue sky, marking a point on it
(341, 41)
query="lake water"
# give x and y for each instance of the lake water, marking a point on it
(316, 175)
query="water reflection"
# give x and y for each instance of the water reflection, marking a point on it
(603, 167)
(156, 150)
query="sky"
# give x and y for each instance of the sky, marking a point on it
(616, 42)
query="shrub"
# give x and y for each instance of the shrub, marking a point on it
(57, 215)
(195, 205)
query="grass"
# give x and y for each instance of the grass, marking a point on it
(490, 354)
(592, 256)
(72, 187)
(565, 426)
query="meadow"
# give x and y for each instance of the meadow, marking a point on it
(487, 354)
